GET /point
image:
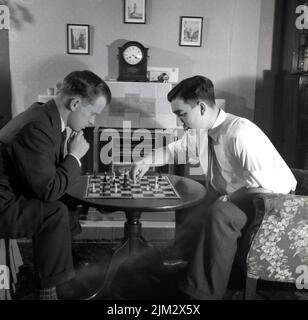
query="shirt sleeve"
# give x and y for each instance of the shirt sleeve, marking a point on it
(184, 150)
(263, 166)
(71, 154)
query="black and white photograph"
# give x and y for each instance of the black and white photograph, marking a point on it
(135, 11)
(191, 31)
(153, 158)
(78, 39)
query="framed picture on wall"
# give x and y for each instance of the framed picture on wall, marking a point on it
(191, 31)
(135, 11)
(78, 39)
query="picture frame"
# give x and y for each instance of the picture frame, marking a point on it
(135, 11)
(191, 29)
(78, 39)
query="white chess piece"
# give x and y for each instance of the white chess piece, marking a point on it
(156, 182)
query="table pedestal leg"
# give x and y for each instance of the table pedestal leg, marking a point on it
(133, 243)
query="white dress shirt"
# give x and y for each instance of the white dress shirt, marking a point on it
(243, 156)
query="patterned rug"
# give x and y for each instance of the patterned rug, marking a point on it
(144, 278)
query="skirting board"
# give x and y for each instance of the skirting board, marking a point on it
(114, 230)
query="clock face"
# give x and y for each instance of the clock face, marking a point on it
(133, 55)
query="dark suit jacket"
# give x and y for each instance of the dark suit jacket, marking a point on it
(31, 171)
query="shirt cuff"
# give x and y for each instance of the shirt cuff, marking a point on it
(75, 158)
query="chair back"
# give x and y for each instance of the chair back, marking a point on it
(302, 181)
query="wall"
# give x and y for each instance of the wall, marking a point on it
(228, 56)
(268, 63)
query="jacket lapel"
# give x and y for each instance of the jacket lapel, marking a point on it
(55, 119)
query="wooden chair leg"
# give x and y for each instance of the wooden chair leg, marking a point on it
(250, 288)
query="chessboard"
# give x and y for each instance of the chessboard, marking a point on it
(121, 187)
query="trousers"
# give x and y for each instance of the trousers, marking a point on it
(208, 237)
(51, 225)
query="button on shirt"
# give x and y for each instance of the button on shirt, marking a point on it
(242, 156)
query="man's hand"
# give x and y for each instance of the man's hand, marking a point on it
(77, 144)
(242, 194)
(138, 170)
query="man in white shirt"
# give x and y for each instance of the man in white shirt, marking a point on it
(238, 161)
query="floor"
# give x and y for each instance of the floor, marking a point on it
(144, 277)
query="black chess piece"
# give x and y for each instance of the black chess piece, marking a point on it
(125, 182)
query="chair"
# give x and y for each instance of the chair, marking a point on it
(278, 237)
(10, 262)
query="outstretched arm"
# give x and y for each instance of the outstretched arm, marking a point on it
(158, 158)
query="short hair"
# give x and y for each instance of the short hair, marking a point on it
(85, 84)
(195, 88)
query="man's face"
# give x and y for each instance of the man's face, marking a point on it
(189, 115)
(84, 115)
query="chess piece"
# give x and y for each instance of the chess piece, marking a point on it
(156, 182)
(148, 188)
(125, 183)
(93, 187)
(115, 188)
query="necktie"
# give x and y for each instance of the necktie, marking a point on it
(63, 139)
(204, 145)
(210, 162)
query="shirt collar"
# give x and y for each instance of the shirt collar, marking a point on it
(63, 126)
(213, 132)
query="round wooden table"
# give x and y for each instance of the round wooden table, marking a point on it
(190, 191)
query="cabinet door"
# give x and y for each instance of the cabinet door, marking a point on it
(303, 91)
(302, 136)
(289, 119)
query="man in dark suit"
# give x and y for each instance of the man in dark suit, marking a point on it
(35, 175)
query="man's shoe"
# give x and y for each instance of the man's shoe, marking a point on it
(76, 290)
(175, 263)
(87, 284)
(175, 266)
